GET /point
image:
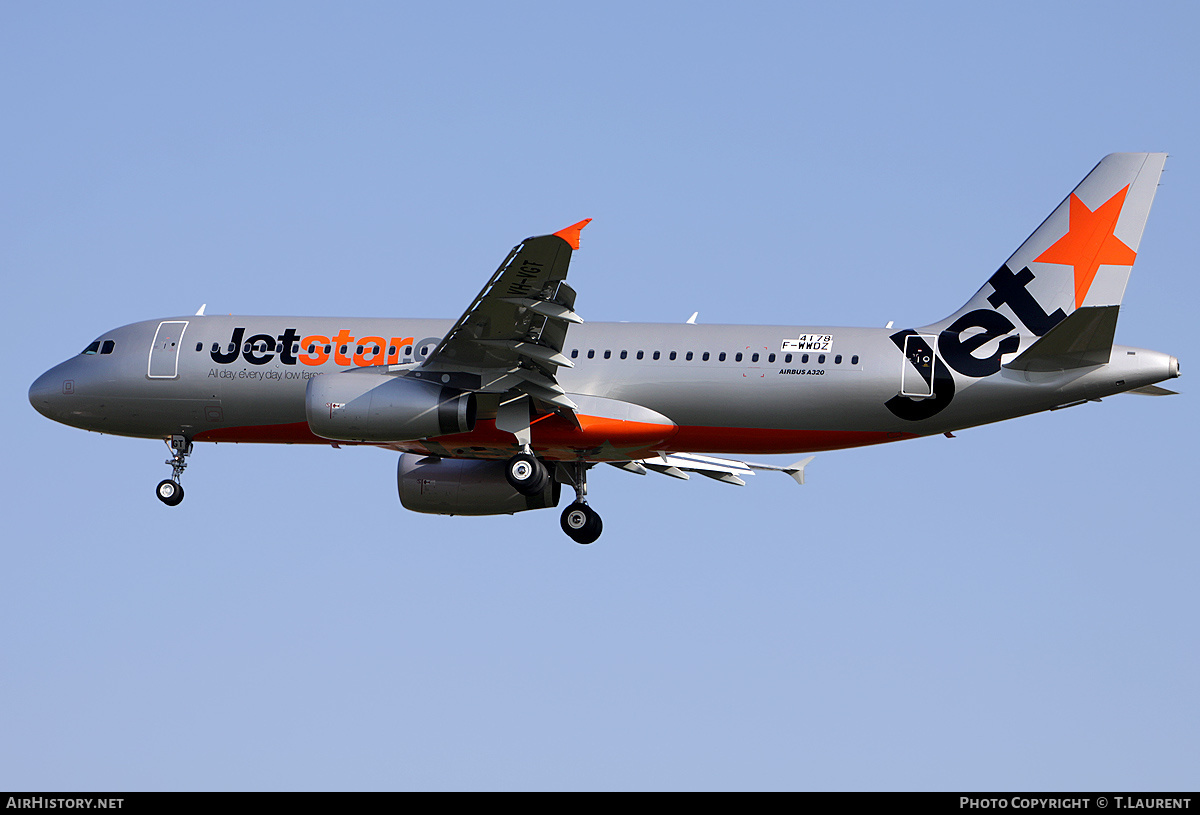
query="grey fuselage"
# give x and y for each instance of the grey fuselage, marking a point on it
(728, 388)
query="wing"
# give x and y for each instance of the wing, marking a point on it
(511, 338)
(678, 465)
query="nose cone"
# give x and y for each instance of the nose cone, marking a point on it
(53, 393)
(46, 392)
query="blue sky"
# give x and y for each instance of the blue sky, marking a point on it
(1013, 608)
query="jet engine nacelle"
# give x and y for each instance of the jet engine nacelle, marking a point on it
(373, 407)
(451, 486)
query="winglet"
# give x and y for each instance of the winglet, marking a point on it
(796, 470)
(571, 233)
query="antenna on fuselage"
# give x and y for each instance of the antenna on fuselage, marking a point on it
(200, 313)
(692, 320)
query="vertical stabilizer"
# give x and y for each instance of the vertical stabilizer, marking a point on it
(1079, 257)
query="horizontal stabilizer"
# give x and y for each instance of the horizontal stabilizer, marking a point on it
(1153, 390)
(1083, 339)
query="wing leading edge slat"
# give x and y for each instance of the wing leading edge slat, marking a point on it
(513, 333)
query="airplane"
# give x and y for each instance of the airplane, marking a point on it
(494, 412)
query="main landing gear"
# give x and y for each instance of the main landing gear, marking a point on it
(581, 523)
(170, 491)
(529, 476)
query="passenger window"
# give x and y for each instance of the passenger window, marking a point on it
(854, 359)
(624, 355)
(737, 357)
(771, 358)
(721, 357)
(591, 354)
(754, 357)
(312, 348)
(821, 359)
(673, 355)
(705, 357)
(108, 346)
(93, 348)
(574, 353)
(342, 350)
(787, 358)
(608, 354)
(424, 350)
(656, 354)
(295, 348)
(232, 347)
(328, 348)
(804, 359)
(688, 356)
(837, 360)
(246, 348)
(199, 346)
(359, 350)
(216, 348)
(641, 354)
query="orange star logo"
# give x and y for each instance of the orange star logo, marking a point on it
(1090, 242)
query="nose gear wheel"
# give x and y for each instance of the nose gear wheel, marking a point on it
(170, 491)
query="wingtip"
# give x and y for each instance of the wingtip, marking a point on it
(571, 233)
(796, 470)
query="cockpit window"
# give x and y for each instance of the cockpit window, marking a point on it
(93, 348)
(108, 347)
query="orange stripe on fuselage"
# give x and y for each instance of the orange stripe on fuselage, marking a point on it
(291, 433)
(764, 441)
(553, 431)
(557, 438)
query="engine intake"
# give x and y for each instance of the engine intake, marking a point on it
(452, 486)
(373, 407)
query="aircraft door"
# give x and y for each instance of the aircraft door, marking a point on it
(164, 352)
(916, 379)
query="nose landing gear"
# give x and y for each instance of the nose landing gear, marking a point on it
(170, 491)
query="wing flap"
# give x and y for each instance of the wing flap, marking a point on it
(729, 471)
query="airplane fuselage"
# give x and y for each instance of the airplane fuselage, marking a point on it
(744, 389)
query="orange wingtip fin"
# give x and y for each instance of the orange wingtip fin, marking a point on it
(571, 233)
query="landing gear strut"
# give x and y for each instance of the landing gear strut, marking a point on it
(581, 523)
(170, 491)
